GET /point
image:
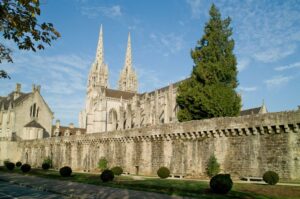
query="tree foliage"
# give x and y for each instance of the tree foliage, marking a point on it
(19, 23)
(210, 91)
(213, 167)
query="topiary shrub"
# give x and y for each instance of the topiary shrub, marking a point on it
(25, 168)
(18, 164)
(10, 166)
(102, 164)
(48, 160)
(45, 166)
(221, 183)
(213, 167)
(107, 175)
(271, 177)
(163, 172)
(65, 171)
(117, 170)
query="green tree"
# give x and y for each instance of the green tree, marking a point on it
(213, 167)
(210, 91)
(19, 23)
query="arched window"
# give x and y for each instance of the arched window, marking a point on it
(37, 112)
(34, 109)
(113, 119)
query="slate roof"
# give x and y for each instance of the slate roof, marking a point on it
(118, 94)
(250, 111)
(10, 99)
(34, 124)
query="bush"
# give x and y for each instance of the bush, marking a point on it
(107, 175)
(65, 171)
(163, 172)
(117, 170)
(18, 164)
(48, 160)
(5, 162)
(10, 166)
(102, 164)
(271, 177)
(25, 168)
(213, 167)
(221, 183)
(45, 166)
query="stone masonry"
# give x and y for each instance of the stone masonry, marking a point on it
(244, 146)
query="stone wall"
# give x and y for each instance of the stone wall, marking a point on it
(244, 146)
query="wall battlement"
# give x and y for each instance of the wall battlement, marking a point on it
(244, 145)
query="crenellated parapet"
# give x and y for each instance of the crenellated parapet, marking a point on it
(251, 125)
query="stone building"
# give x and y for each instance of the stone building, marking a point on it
(23, 116)
(109, 109)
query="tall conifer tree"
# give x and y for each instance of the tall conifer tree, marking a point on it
(210, 91)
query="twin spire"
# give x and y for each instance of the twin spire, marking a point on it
(98, 76)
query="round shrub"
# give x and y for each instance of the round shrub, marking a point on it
(221, 183)
(25, 168)
(18, 164)
(10, 166)
(271, 177)
(107, 175)
(65, 171)
(45, 166)
(117, 170)
(163, 172)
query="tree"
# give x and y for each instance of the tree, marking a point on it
(213, 167)
(210, 91)
(19, 23)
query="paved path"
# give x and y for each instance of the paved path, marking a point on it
(78, 190)
(11, 191)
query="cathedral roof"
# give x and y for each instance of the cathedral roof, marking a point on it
(251, 111)
(118, 94)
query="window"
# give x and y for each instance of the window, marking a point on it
(34, 108)
(37, 112)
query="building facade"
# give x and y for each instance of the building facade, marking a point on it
(109, 109)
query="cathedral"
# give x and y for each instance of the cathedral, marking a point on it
(108, 109)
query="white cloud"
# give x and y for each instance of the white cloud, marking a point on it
(247, 89)
(286, 67)
(278, 81)
(275, 54)
(95, 11)
(167, 43)
(195, 6)
(242, 64)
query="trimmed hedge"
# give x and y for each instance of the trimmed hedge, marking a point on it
(45, 166)
(107, 175)
(65, 171)
(271, 177)
(117, 170)
(10, 165)
(221, 183)
(25, 168)
(163, 172)
(18, 164)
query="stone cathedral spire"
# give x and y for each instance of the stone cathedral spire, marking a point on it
(98, 76)
(128, 77)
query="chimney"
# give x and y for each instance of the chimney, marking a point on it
(38, 88)
(71, 125)
(18, 87)
(17, 91)
(57, 123)
(33, 88)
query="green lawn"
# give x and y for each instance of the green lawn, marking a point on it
(193, 188)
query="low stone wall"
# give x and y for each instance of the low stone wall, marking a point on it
(244, 146)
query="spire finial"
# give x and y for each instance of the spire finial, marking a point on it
(100, 53)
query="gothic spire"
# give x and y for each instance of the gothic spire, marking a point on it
(128, 77)
(100, 53)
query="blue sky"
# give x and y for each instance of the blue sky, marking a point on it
(266, 34)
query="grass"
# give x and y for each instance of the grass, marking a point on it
(197, 189)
